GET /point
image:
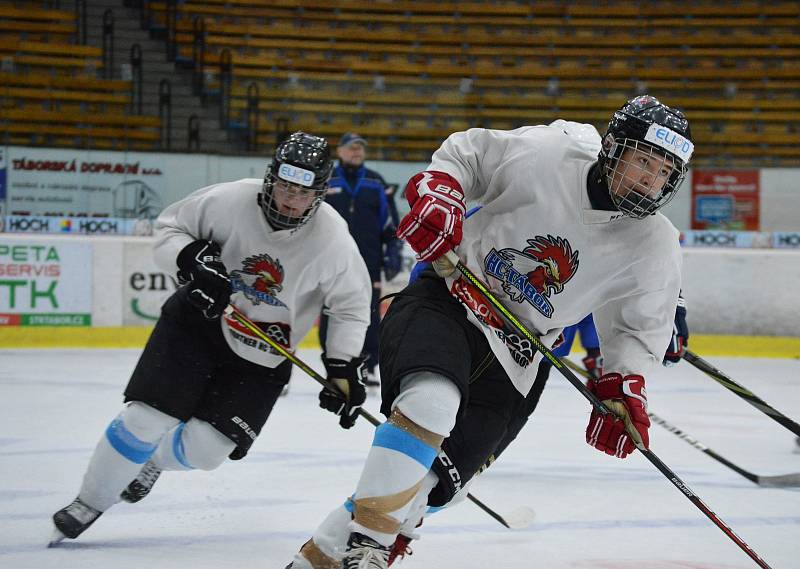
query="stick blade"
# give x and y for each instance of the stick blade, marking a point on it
(782, 481)
(520, 518)
(56, 538)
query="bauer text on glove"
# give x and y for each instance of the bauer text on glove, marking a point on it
(433, 226)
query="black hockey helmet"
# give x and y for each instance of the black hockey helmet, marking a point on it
(303, 164)
(661, 135)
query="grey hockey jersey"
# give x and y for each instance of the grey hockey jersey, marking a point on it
(549, 257)
(280, 279)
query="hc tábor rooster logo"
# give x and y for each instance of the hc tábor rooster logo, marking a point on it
(537, 272)
(260, 279)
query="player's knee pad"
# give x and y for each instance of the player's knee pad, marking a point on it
(429, 400)
(146, 422)
(204, 447)
(136, 431)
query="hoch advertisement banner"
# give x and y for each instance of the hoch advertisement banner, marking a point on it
(45, 283)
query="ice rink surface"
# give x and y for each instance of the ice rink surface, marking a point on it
(593, 511)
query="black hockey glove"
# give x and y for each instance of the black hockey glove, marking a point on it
(202, 271)
(680, 336)
(349, 378)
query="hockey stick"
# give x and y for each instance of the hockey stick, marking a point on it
(780, 481)
(451, 259)
(741, 391)
(520, 518)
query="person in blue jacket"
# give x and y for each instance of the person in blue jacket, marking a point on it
(365, 201)
(593, 362)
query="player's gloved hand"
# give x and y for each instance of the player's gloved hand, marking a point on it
(433, 226)
(349, 377)
(392, 258)
(680, 336)
(202, 271)
(593, 363)
(627, 399)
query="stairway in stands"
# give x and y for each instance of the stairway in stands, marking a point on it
(155, 68)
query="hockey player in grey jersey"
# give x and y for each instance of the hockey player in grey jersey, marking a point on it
(205, 386)
(569, 225)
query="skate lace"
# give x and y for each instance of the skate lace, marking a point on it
(366, 557)
(149, 474)
(81, 512)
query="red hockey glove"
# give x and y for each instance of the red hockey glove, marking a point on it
(433, 226)
(627, 399)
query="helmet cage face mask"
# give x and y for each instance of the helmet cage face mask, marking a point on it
(302, 167)
(279, 220)
(645, 155)
(643, 179)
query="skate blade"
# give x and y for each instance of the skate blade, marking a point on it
(56, 538)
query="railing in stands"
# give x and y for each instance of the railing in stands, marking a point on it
(136, 78)
(80, 21)
(108, 44)
(252, 117)
(225, 80)
(171, 33)
(165, 112)
(193, 133)
(198, 54)
(145, 15)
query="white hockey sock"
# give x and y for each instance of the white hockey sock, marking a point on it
(402, 453)
(127, 444)
(326, 549)
(194, 444)
(419, 506)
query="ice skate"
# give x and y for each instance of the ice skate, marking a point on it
(142, 484)
(72, 521)
(365, 553)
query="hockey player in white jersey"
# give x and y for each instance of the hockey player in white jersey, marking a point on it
(569, 225)
(204, 385)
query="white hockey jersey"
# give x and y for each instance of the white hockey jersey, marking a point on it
(280, 279)
(550, 258)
